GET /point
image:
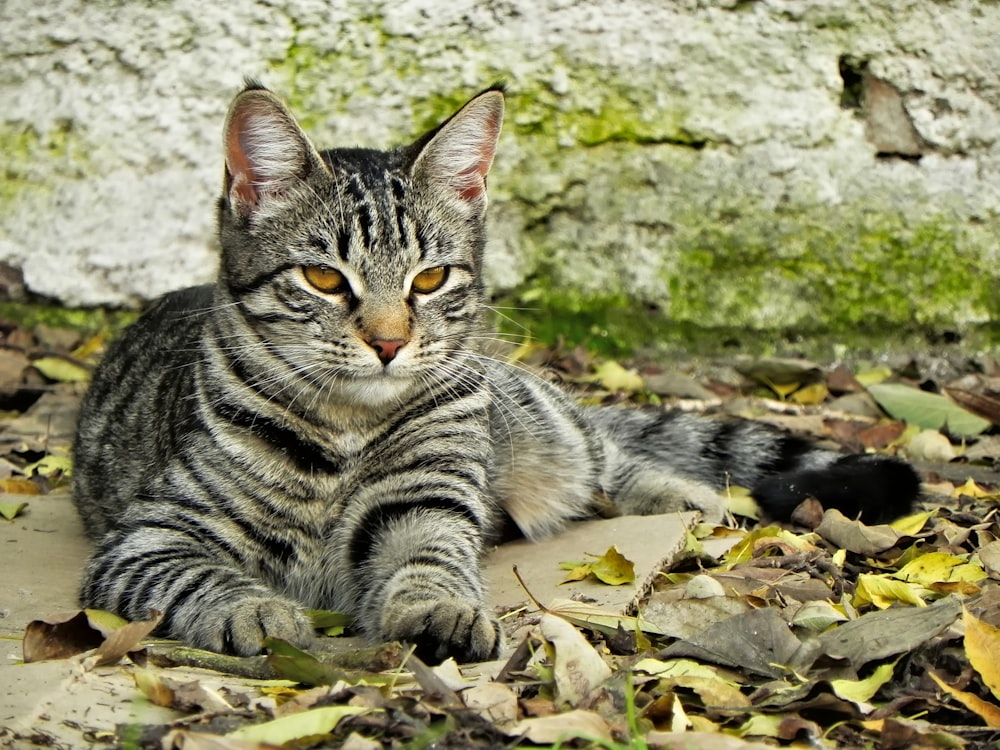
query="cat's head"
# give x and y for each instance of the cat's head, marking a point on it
(361, 263)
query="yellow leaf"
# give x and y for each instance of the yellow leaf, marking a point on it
(613, 568)
(982, 646)
(784, 390)
(14, 486)
(971, 489)
(912, 524)
(761, 725)
(62, 370)
(577, 573)
(811, 395)
(613, 377)
(90, 347)
(742, 551)
(883, 592)
(740, 502)
(50, 465)
(986, 711)
(873, 376)
(938, 567)
(862, 691)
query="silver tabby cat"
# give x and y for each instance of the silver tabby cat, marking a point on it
(320, 428)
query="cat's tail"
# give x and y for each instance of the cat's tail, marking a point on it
(779, 469)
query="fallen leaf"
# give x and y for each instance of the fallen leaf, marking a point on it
(14, 486)
(810, 395)
(855, 536)
(123, 640)
(586, 615)
(493, 701)
(331, 623)
(927, 410)
(316, 721)
(613, 377)
(10, 511)
(939, 567)
(612, 568)
(973, 490)
(577, 668)
(913, 524)
(873, 376)
(979, 404)
(877, 635)
(291, 663)
(989, 556)
(61, 369)
(758, 641)
(59, 639)
(547, 730)
(982, 646)
(817, 616)
(883, 592)
(862, 691)
(782, 371)
(988, 712)
(183, 739)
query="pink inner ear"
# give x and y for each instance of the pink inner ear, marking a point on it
(472, 182)
(238, 165)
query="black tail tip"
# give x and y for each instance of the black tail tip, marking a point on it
(876, 489)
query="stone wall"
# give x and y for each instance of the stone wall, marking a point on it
(779, 164)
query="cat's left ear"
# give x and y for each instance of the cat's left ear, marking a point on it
(266, 151)
(455, 160)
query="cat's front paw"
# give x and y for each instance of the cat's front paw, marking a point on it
(241, 628)
(442, 628)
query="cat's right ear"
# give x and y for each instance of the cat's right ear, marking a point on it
(266, 151)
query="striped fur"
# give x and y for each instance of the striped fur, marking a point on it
(263, 444)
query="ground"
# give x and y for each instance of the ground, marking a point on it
(822, 632)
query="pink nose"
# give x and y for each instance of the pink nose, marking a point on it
(386, 348)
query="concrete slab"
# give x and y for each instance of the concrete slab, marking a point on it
(59, 704)
(648, 541)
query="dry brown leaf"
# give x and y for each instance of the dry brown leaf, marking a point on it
(546, 730)
(59, 638)
(122, 641)
(578, 669)
(855, 536)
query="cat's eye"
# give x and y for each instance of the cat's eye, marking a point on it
(328, 280)
(430, 280)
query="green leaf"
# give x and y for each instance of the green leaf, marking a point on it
(61, 370)
(930, 411)
(291, 663)
(326, 620)
(10, 511)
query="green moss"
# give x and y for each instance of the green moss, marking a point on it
(29, 153)
(839, 271)
(87, 321)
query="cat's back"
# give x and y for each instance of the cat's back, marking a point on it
(136, 405)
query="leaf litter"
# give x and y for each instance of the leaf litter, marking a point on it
(825, 632)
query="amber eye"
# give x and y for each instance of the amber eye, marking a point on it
(326, 279)
(430, 280)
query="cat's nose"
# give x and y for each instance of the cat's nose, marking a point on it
(386, 348)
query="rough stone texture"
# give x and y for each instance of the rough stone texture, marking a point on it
(771, 164)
